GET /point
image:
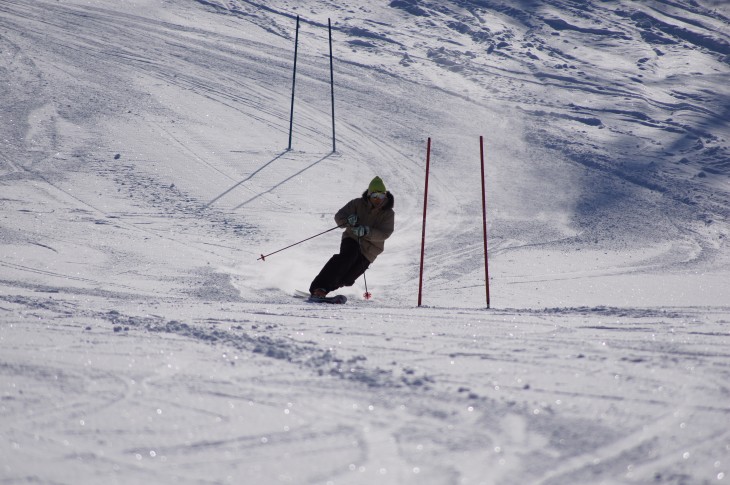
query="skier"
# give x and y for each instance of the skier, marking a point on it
(369, 222)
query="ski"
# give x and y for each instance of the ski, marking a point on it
(335, 300)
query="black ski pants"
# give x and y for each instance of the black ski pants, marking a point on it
(342, 269)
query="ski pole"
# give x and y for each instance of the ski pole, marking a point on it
(264, 256)
(367, 295)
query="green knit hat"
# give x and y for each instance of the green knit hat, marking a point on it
(376, 185)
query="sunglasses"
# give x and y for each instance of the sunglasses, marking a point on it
(377, 195)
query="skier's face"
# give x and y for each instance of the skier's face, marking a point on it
(377, 199)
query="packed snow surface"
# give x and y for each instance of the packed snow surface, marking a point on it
(144, 168)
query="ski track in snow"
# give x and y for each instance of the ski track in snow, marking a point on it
(143, 170)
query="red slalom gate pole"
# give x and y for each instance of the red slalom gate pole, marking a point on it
(484, 220)
(423, 233)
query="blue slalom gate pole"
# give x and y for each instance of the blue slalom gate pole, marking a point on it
(293, 84)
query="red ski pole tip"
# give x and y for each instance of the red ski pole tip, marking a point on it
(367, 295)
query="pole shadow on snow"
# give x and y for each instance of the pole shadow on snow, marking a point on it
(253, 174)
(242, 204)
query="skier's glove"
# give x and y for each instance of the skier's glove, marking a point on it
(352, 220)
(361, 231)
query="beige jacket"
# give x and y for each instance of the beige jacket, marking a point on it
(380, 221)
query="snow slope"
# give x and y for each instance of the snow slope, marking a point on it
(144, 168)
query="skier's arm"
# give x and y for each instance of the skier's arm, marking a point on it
(345, 212)
(382, 231)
